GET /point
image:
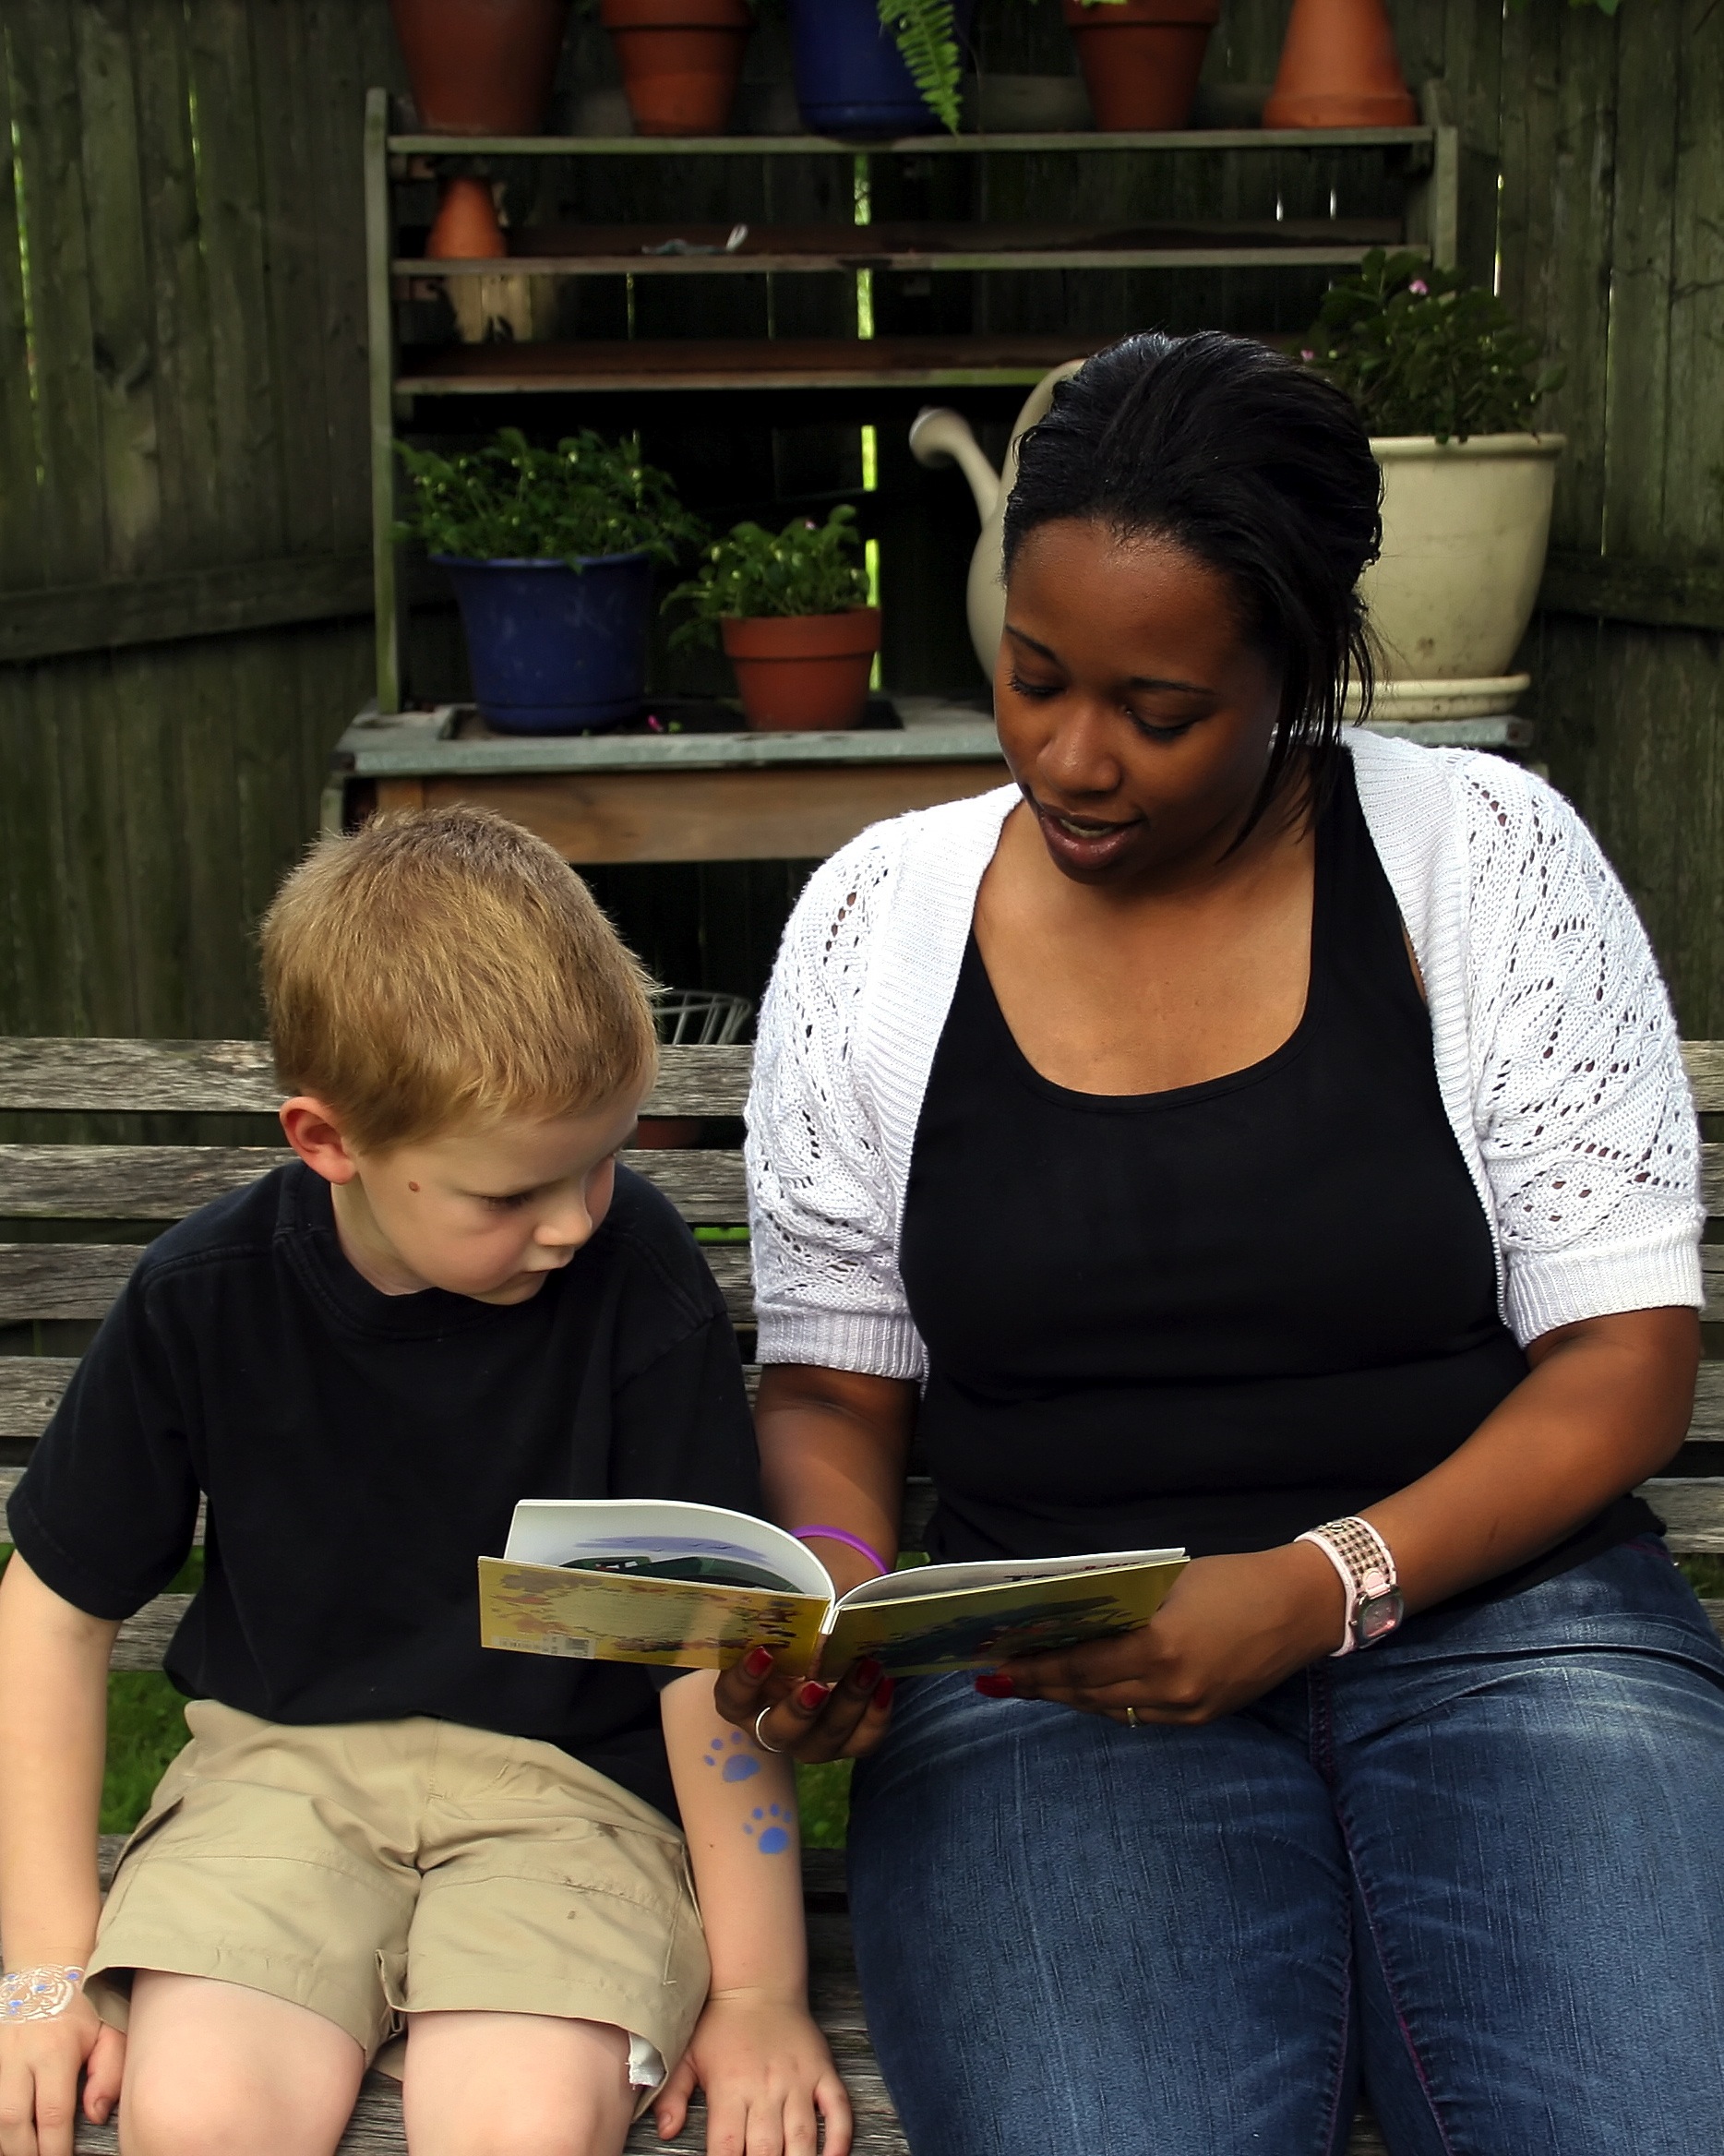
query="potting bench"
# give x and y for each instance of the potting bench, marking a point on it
(706, 796)
(1405, 179)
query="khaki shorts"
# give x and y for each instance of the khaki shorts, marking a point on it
(373, 1870)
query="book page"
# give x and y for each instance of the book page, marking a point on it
(619, 1617)
(636, 1531)
(978, 1626)
(992, 1572)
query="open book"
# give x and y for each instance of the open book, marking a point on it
(693, 1586)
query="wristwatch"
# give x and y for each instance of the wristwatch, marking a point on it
(1374, 1608)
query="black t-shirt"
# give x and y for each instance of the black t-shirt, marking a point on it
(361, 1452)
(1218, 1315)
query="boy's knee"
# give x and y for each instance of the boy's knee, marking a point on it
(214, 2113)
(551, 2122)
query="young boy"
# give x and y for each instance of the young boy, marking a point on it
(450, 1298)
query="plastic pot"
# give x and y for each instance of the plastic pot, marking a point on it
(1338, 70)
(553, 650)
(803, 672)
(851, 78)
(682, 61)
(1141, 60)
(1464, 529)
(481, 67)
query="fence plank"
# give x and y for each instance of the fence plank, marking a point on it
(122, 313)
(1694, 446)
(20, 547)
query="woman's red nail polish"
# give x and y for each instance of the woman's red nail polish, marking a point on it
(757, 1661)
(812, 1695)
(992, 1685)
(867, 1674)
(884, 1690)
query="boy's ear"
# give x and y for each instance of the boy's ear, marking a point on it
(313, 1133)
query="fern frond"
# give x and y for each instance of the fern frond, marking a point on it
(927, 37)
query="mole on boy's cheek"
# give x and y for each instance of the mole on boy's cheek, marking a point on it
(414, 1187)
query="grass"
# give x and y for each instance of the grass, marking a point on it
(146, 1727)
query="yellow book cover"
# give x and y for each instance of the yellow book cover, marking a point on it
(691, 1586)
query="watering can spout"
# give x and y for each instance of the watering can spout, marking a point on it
(937, 434)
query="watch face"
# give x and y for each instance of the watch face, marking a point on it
(1377, 1618)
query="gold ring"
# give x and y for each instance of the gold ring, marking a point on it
(1131, 1722)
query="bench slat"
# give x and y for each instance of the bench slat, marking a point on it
(30, 1386)
(80, 1279)
(221, 1077)
(165, 1182)
(1705, 1062)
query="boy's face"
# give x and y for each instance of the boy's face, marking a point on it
(485, 1212)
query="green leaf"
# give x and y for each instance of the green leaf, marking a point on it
(926, 36)
(805, 569)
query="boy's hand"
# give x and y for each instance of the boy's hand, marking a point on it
(39, 2067)
(768, 2076)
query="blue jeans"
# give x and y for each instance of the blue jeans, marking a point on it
(1482, 1862)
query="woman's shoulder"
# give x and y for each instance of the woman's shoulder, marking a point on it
(951, 844)
(1424, 800)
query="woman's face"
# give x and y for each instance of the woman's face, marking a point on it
(1133, 715)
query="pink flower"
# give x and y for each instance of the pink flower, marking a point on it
(1308, 354)
(1420, 287)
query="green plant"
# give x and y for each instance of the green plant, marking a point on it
(927, 38)
(1421, 351)
(510, 501)
(805, 569)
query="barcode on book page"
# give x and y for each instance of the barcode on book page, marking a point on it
(579, 1650)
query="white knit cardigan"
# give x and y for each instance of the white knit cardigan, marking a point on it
(1555, 1050)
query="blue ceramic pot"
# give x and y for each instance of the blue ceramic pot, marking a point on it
(553, 650)
(851, 78)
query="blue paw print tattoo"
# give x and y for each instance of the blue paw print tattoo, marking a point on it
(771, 1835)
(733, 1762)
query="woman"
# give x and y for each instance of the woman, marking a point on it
(1230, 1132)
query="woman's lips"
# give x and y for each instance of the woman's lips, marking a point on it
(1086, 841)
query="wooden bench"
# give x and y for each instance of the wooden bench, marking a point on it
(78, 1213)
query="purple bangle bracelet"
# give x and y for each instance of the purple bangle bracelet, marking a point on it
(839, 1535)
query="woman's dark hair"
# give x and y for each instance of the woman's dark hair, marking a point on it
(1261, 472)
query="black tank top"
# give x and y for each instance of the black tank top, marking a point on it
(1216, 1315)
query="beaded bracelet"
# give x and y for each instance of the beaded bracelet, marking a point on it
(839, 1535)
(38, 1994)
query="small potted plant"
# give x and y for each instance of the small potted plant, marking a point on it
(551, 552)
(1445, 381)
(792, 609)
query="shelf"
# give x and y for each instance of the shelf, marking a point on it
(705, 363)
(657, 250)
(1187, 140)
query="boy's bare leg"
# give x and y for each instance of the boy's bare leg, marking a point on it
(214, 2067)
(515, 2085)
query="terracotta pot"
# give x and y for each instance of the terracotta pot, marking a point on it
(1141, 60)
(1338, 70)
(481, 67)
(682, 61)
(804, 672)
(466, 228)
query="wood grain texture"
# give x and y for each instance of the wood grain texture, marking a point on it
(763, 815)
(217, 601)
(1692, 1513)
(30, 1386)
(202, 1077)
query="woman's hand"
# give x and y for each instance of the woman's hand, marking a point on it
(811, 1721)
(768, 2076)
(38, 2068)
(1231, 1629)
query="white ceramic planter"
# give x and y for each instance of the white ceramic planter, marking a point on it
(1464, 529)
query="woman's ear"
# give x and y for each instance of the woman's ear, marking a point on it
(314, 1134)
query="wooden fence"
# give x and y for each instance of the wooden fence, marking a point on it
(183, 478)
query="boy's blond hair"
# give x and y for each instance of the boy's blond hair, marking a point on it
(445, 966)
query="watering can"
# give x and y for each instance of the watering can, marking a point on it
(939, 436)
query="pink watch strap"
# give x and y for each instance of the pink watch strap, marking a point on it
(817, 1534)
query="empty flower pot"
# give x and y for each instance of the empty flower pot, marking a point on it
(481, 67)
(682, 61)
(1338, 70)
(803, 672)
(1141, 60)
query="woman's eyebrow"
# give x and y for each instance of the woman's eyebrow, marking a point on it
(1133, 681)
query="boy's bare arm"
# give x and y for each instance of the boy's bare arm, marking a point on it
(54, 1705)
(768, 2075)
